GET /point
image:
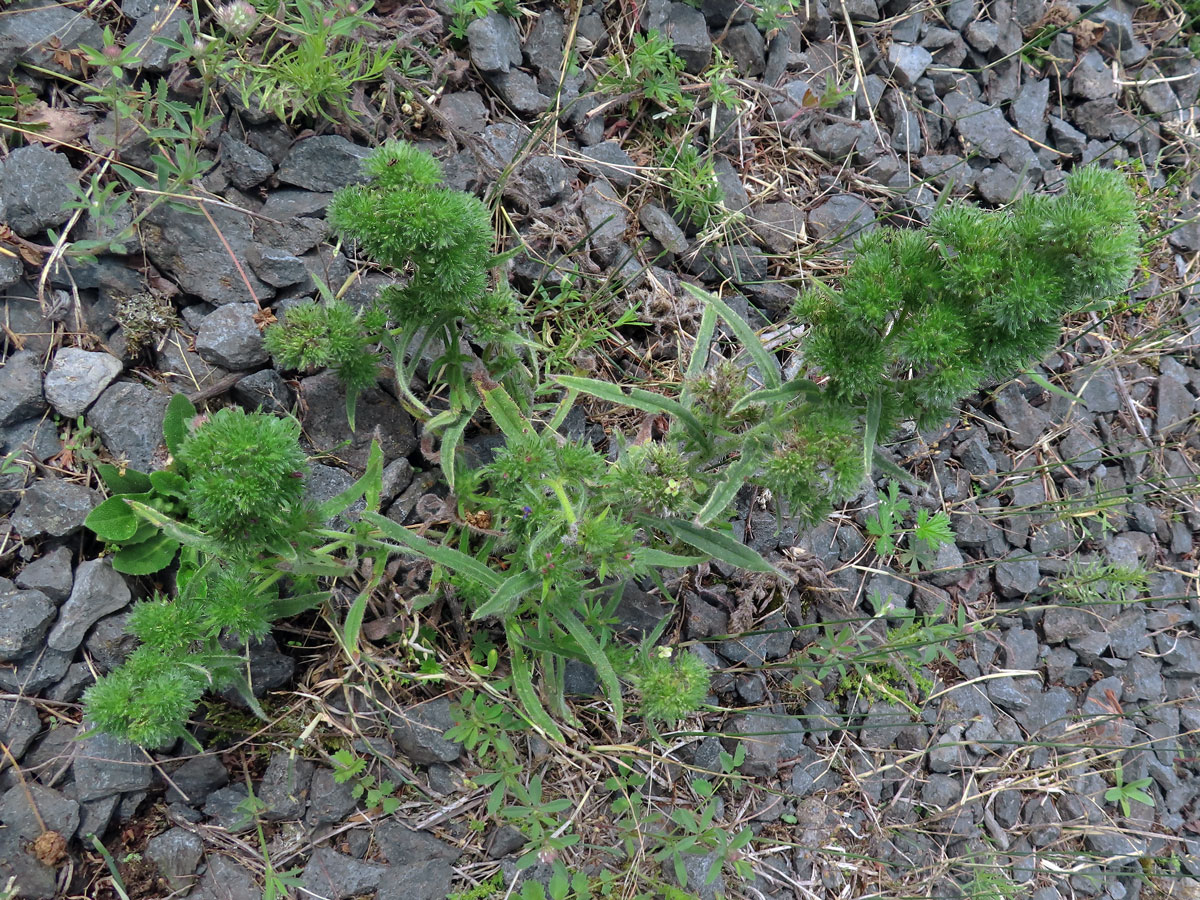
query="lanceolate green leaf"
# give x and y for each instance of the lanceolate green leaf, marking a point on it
(180, 413)
(454, 560)
(636, 398)
(287, 607)
(185, 534)
(451, 438)
(370, 483)
(704, 336)
(661, 559)
(717, 544)
(744, 333)
(596, 656)
(773, 397)
(504, 601)
(522, 678)
(726, 489)
(504, 412)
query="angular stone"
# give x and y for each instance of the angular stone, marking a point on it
(687, 30)
(519, 91)
(418, 732)
(329, 801)
(336, 876)
(34, 186)
(326, 427)
(128, 418)
(494, 42)
(324, 163)
(230, 337)
(246, 167)
(1175, 407)
(608, 160)
(1025, 423)
(176, 852)
(660, 226)
(196, 779)
(77, 377)
(98, 591)
(20, 387)
(908, 62)
(19, 725)
(54, 507)
(106, 765)
(842, 219)
(778, 224)
(50, 808)
(24, 618)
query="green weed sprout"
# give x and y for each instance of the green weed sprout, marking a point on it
(672, 685)
(924, 317)
(441, 239)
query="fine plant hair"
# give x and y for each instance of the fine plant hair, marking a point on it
(924, 317)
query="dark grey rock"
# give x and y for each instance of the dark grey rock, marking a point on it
(230, 337)
(1175, 406)
(196, 779)
(908, 62)
(265, 390)
(494, 42)
(660, 226)
(1029, 109)
(687, 30)
(1092, 77)
(1102, 119)
(98, 591)
(323, 163)
(10, 271)
(50, 808)
(397, 475)
(519, 91)
(770, 640)
(1025, 423)
(337, 877)
(547, 38)
(1048, 714)
(36, 672)
(402, 846)
(1156, 93)
(54, 507)
(161, 21)
(19, 723)
(39, 31)
(418, 732)
(1181, 654)
(768, 740)
(128, 419)
(21, 388)
(77, 377)
(326, 427)
(186, 247)
(721, 13)
(176, 852)
(329, 802)
(224, 879)
(605, 219)
(841, 219)
(1000, 185)
(326, 482)
(106, 765)
(1119, 35)
(34, 184)
(745, 44)
(1080, 450)
(504, 841)
(109, 643)
(226, 808)
(422, 880)
(883, 724)
(245, 166)
(778, 224)
(836, 141)
(278, 268)
(465, 110)
(18, 865)
(547, 179)
(1066, 137)
(607, 159)
(982, 34)
(1017, 575)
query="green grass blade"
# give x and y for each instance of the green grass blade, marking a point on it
(454, 560)
(596, 656)
(717, 544)
(522, 679)
(744, 333)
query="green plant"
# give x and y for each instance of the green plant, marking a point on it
(375, 793)
(1123, 792)
(693, 186)
(1102, 582)
(651, 73)
(442, 239)
(928, 534)
(15, 99)
(250, 548)
(923, 317)
(672, 685)
(464, 12)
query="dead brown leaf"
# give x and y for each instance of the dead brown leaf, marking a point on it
(55, 125)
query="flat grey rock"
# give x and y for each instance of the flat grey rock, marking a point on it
(494, 43)
(176, 852)
(34, 186)
(21, 395)
(230, 337)
(54, 507)
(324, 163)
(50, 808)
(98, 591)
(418, 732)
(19, 725)
(128, 418)
(77, 378)
(24, 618)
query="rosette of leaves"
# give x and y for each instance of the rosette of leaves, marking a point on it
(923, 317)
(440, 242)
(672, 685)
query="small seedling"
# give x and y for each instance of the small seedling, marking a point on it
(1123, 792)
